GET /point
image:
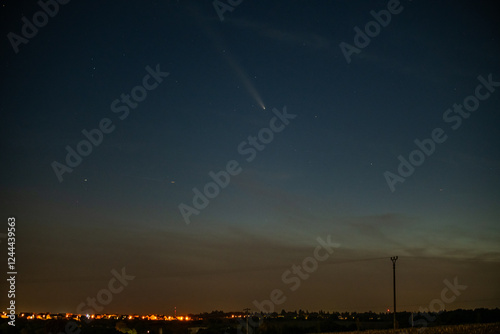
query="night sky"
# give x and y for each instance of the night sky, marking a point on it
(309, 125)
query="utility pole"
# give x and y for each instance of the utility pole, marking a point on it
(246, 310)
(394, 259)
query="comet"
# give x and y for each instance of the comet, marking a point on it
(245, 80)
(219, 44)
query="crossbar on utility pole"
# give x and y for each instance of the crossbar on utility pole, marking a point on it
(394, 259)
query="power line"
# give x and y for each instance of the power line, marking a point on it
(358, 260)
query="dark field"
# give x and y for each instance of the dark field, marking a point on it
(456, 329)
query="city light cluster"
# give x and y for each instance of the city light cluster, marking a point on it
(79, 317)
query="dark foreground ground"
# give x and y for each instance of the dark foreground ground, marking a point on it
(38, 328)
(456, 329)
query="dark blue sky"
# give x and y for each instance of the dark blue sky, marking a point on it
(323, 174)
